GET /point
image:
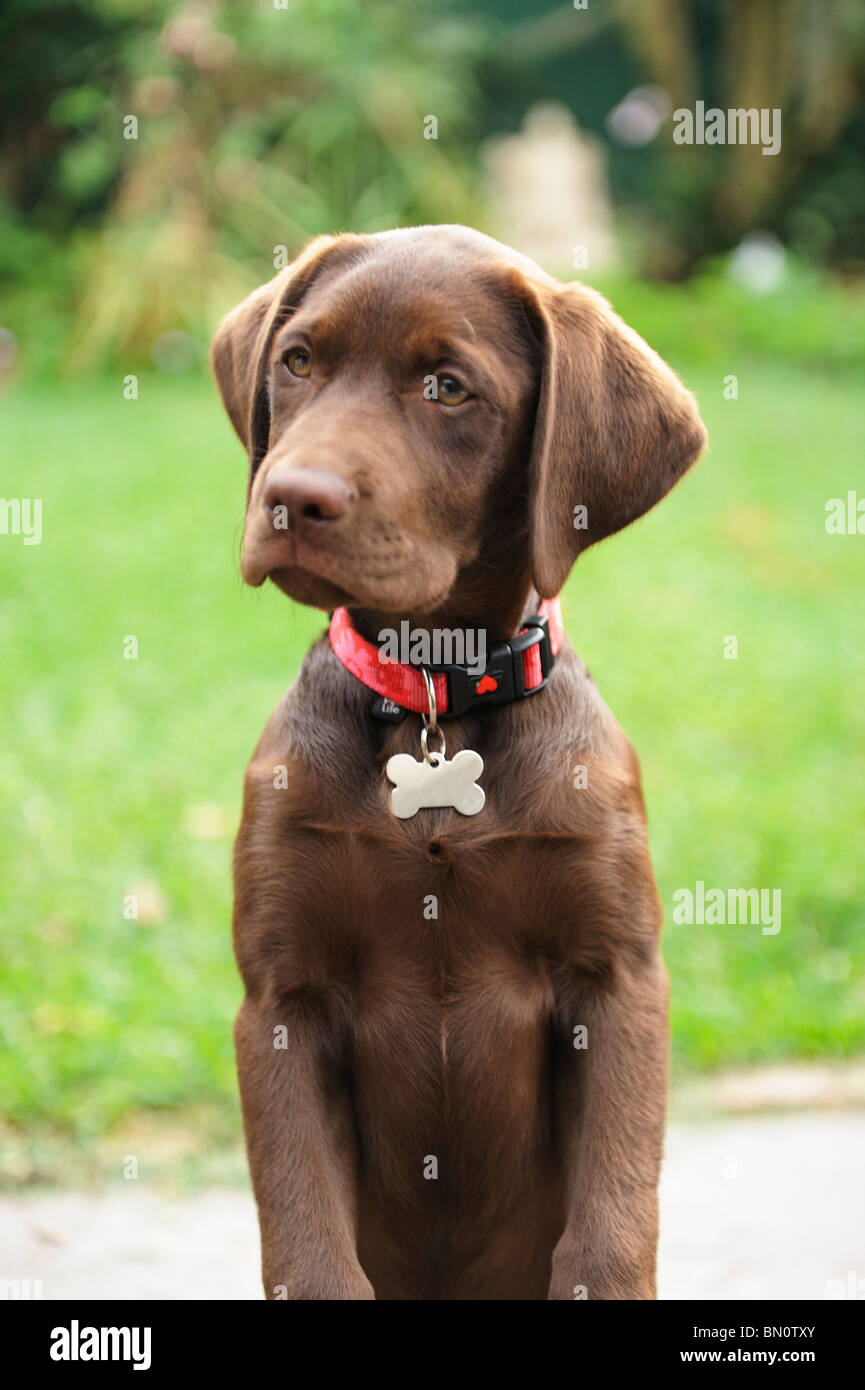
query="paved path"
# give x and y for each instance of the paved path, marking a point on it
(763, 1207)
(751, 1208)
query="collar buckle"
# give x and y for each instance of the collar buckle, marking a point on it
(503, 679)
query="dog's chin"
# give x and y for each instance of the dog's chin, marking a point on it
(317, 592)
(312, 589)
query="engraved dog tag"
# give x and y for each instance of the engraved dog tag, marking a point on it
(436, 782)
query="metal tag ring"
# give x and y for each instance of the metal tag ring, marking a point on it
(424, 739)
(430, 723)
(431, 697)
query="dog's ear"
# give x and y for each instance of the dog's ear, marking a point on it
(615, 428)
(239, 353)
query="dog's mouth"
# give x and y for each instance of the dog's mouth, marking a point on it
(309, 574)
(324, 576)
(286, 559)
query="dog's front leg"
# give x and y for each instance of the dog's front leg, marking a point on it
(302, 1150)
(611, 1083)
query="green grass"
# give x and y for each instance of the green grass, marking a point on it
(752, 768)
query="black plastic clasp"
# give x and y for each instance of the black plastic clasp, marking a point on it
(505, 667)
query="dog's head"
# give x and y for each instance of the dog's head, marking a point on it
(427, 413)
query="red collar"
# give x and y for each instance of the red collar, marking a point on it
(514, 669)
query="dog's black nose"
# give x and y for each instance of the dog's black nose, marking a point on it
(307, 493)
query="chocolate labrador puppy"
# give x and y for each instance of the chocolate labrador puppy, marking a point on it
(453, 1045)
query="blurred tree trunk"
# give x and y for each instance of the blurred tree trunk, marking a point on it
(756, 48)
(662, 33)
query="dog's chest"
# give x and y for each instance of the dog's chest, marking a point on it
(437, 935)
(451, 1003)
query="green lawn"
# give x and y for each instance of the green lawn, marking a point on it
(119, 776)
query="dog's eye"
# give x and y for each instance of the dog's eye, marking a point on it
(451, 390)
(298, 361)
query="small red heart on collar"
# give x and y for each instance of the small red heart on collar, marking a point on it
(485, 684)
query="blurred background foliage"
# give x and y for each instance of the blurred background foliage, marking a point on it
(260, 127)
(255, 128)
(807, 59)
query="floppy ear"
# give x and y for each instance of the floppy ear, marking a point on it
(615, 428)
(239, 353)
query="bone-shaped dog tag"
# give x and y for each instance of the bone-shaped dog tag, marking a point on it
(436, 782)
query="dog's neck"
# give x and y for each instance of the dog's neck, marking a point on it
(499, 619)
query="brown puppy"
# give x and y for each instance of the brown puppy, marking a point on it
(422, 1118)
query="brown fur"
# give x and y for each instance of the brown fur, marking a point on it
(452, 1038)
